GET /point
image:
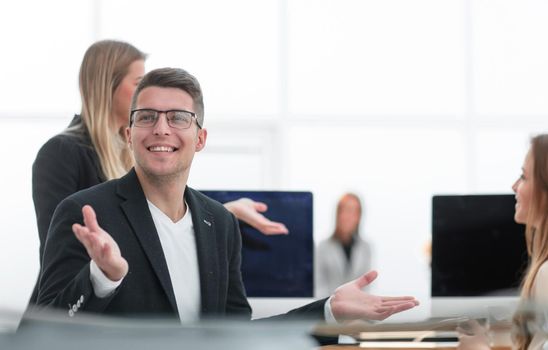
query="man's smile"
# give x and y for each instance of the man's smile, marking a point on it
(158, 148)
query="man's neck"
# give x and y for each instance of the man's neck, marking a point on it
(167, 194)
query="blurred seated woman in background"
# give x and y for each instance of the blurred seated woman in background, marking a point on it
(343, 256)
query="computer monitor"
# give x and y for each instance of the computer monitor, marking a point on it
(478, 251)
(277, 265)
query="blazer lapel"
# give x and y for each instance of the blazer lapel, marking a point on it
(136, 210)
(207, 251)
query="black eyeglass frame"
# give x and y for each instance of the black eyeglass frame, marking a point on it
(192, 114)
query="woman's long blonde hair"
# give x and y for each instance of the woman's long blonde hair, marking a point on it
(103, 68)
(536, 232)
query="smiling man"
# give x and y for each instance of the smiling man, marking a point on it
(147, 245)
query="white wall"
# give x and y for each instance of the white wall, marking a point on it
(395, 99)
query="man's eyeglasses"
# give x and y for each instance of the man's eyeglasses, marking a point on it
(147, 118)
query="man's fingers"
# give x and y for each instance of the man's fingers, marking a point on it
(402, 298)
(380, 313)
(260, 207)
(275, 228)
(115, 267)
(82, 234)
(366, 279)
(394, 303)
(385, 311)
(403, 307)
(400, 302)
(89, 240)
(106, 251)
(90, 219)
(385, 314)
(350, 302)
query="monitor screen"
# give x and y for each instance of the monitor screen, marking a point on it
(477, 248)
(277, 265)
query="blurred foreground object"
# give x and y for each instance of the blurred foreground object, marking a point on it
(54, 331)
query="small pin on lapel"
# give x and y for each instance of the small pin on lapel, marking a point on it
(207, 222)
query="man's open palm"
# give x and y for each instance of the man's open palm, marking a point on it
(100, 246)
(349, 302)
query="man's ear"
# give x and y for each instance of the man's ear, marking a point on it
(128, 137)
(201, 139)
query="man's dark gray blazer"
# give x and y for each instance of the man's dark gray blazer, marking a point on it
(146, 291)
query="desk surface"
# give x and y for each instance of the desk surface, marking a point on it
(406, 336)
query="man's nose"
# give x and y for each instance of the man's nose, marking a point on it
(162, 126)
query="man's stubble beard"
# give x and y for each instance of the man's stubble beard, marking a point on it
(165, 179)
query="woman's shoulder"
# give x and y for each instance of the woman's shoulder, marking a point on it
(543, 271)
(67, 138)
(328, 244)
(71, 146)
(541, 283)
(63, 145)
(73, 139)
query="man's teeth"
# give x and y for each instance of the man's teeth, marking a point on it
(160, 149)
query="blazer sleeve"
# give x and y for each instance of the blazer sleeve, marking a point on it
(54, 177)
(237, 304)
(313, 311)
(65, 276)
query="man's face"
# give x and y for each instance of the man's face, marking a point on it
(160, 151)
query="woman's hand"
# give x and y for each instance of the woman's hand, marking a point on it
(472, 336)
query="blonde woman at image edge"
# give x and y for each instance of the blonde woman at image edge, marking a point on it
(531, 191)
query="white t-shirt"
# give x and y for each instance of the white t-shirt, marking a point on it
(179, 245)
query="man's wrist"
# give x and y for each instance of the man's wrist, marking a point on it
(328, 313)
(102, 285)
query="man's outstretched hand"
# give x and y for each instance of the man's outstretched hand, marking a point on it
(349, 302)
(250, 211)
(100, 246)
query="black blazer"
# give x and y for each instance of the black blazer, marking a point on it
(146, 291)
(66, 164)
(122, 210)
